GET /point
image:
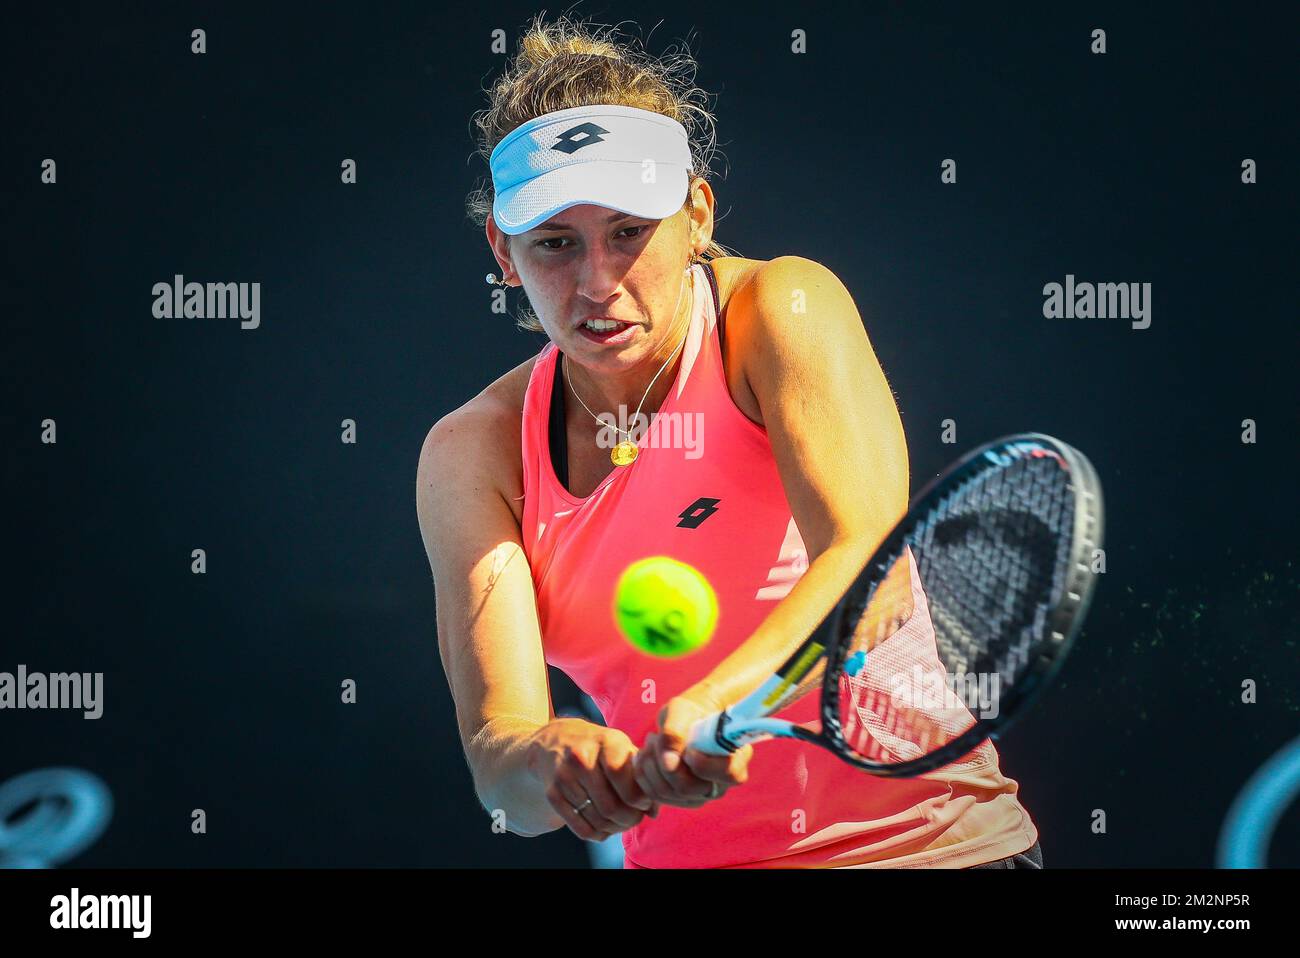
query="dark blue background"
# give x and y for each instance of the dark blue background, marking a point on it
(222, 691)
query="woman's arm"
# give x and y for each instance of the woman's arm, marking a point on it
(524, 761)
(838, 441)
(839, 447)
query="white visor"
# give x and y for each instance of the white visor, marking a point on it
(631, 160)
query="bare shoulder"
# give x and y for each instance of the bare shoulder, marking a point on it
(477, 444)
(776, 309)
(756, 288)
(778, 283)
(792, 286)
(733, 272)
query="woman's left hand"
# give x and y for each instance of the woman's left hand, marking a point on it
(671, 772)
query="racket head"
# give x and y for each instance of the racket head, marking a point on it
(1012, 525)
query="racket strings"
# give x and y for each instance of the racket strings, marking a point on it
(991, 566)
(958, 618)
(899, 705)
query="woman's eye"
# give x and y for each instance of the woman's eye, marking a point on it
(560, 239)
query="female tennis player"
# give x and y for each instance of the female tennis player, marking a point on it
(768, 415)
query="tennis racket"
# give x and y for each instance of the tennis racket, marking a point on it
(961, 616)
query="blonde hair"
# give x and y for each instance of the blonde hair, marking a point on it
(567, 64)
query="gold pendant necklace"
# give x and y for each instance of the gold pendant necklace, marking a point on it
(625, 453)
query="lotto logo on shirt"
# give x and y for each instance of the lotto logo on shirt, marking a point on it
(694, 514)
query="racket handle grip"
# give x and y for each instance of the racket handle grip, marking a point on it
(705, 735)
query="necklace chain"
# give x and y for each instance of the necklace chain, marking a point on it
(637, 414)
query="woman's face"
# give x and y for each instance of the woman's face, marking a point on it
(591, 262)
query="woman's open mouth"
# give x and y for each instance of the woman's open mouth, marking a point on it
(606, 332)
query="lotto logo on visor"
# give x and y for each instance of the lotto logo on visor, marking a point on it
(623, 158)
(573, 140)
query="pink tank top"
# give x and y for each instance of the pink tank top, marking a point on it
(705, 490)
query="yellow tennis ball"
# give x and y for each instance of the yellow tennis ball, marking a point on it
(665, 607)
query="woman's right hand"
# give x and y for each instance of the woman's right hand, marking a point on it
(576, 760)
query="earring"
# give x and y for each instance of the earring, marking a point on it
(491, 279)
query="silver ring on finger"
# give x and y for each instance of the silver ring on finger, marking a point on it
(577, 809)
